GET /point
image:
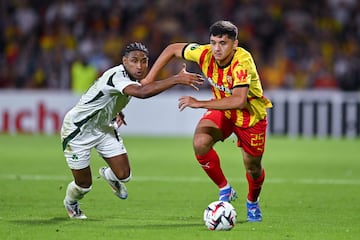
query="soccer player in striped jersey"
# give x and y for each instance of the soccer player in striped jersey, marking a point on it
(238, 106)
(94, 120)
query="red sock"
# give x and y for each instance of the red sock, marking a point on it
(255, 186)
(210, 162)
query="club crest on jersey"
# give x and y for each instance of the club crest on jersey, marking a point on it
(229, 79)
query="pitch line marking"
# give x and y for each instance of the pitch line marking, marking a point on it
(28, 177)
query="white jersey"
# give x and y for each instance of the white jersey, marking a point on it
(98, 106)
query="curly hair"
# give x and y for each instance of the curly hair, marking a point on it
(135, 46)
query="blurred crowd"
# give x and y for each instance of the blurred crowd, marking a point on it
(296, 44)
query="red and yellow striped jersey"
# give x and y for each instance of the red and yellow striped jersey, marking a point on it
(240, 71)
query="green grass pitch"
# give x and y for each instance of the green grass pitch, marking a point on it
(312, 191)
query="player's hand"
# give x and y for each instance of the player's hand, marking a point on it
(190, 79)
(120, 119)
(187, 101)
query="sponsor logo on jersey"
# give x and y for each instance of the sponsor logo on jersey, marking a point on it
(221, 88)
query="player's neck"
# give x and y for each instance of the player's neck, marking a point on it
(226, 61)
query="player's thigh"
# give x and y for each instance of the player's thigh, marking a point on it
(77, 156)
(206, 132)
(252, 139)
(120, 165)
(110, 146)
(213, 127)
(78, 160)
(113, 151)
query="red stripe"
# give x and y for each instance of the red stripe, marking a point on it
(234, 64)
(210, 69)
(202, 57)
(209, 73)
(220, 76)
(220, 81)
(234, 116)
(246, 118)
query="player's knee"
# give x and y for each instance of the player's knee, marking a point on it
(198, 143)
(201, 146)
(123, 175)
(254, 171)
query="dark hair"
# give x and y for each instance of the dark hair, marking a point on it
(222, 27)
(135, 46)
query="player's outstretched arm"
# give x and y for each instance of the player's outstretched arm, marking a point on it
(171, 51)
(151, 89)
(237, 100)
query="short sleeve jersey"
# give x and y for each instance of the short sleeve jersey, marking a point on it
(240, 71)
(100, 104)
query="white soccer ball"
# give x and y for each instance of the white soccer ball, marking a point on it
(220, 215)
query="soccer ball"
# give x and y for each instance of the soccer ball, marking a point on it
(220, 215)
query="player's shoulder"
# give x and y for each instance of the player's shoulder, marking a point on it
(116, 72)
(242, 59)
(115, 69)
(242, 52)
(192, 47)
(196, 51)
(242, 56)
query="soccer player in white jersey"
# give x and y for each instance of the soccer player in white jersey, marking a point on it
(93, 123)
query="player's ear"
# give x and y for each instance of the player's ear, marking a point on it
(236, 42)
(124, 60)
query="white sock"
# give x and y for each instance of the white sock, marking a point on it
(74, 193)
(110, 175)
(252, 202)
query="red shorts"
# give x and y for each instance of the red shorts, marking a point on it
(251, 139)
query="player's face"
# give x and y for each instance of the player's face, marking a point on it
(136, 64)
(223, 48)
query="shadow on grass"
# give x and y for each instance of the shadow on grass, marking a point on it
(158, 226)
(164, 226)
(50, 221)
(59, 220)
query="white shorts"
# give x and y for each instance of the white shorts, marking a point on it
(78, 149)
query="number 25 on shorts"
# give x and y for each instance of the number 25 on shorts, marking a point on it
(258, 140)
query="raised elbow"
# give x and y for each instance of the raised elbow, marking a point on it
(143, 95)
(175, 49)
